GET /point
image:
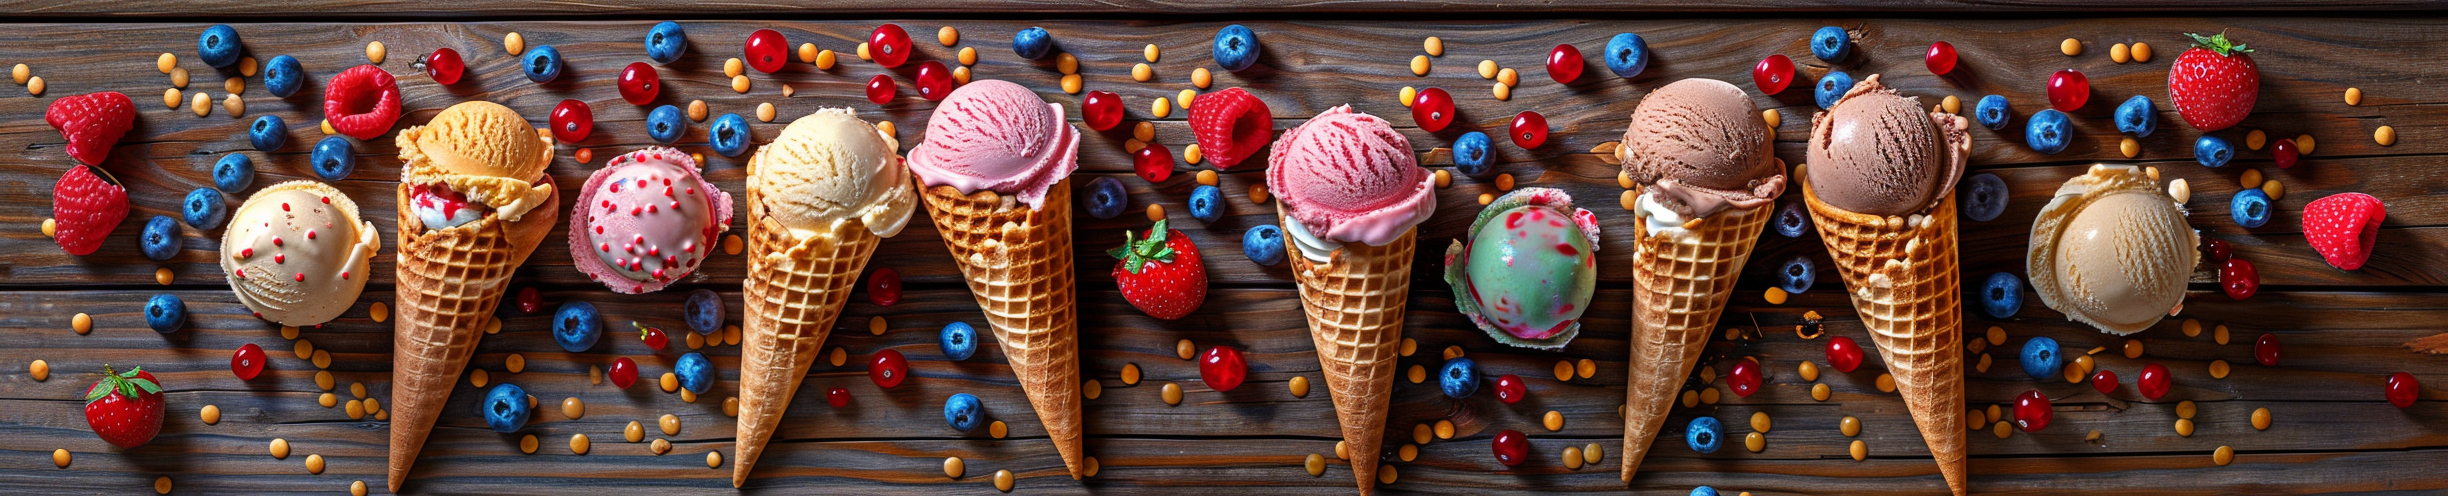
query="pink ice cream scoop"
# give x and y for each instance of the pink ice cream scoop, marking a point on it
(995, 135)
(646, 219)
(1348, 177)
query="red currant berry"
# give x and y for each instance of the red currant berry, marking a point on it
(1509, 389)
(2105, 381)
(653, 337)
(889, 45)
(2154, 381)
(934, 81)
(2283, 151)
(766, 50)
(884, 286)
(1511, 447)
(1941, 58)
(572, 120)
(1773, 74)
(445, 66)
(1153, 163)
(1744, 378)
(2265, 350)
(1529, 129)
(624, 372)
(880, 89)
(1222, 368)
(2402, 389)
(638, 83)
(1102, 110)
(1564, 64)
(530, 300)
(1844, 354)
(2068, 89)
(2239, 279)
(2032, 412)
(248, 362)
(838, 397)
(888, 368)
(1433, 109)
(2216, 251)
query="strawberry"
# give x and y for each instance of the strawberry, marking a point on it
(2343, 228)
(92, 123)
(1162, 274)
(87, 203)
(1231, 126)
(2213, 85)
(125, 408)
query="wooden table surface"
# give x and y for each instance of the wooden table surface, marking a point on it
(2342, 330)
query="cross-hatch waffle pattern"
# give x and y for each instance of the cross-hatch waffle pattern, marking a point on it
(1018, 263)
(1684, 280)
(794, 291)
(1906, 289)
(449, 282)
(1355, 303)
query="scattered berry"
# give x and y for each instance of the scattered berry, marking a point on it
(2216, 251)
(530, 300)
(696, 373)
(884, 287)
(1459, 378)
(92, 123)
(666, 42)
(2105, 381)
(284, 76)
(1831, 44)
(1433, 109)
(1940, 59)
(1843, 354)
(728, 135)
(1793, 220)
(1229, 126)
(233, 173)
(2214, 84)
(333, 159)
(1511, 447)
(87, 203)
(934, 81)
(766, 50)
(2153, 382)
(1471, 154)
(703, 312)
(1993, 112)
(624, 372)
(2251, 208)
(964, 412)
(665, 124)
(505, 408)
(1160, 273)
(2068, 89)
(1510, 389)
(1263, 244)
(881, 88)
(247, 362)
(638, 83)
(2042, 360)
(268, 133)
(1984, 197)
(1798, 275)
(2344, 228)
(1236, 48)
(542, 63)
(1564, 64)
(2032, 412)
(1529, 130)
(838, 397)
(2048, 132)
(362, 102)
(1153, 163)
(572, 120)
(218, 46)
(1744, 378)
(2002, 297)
(165, 313)
(160, 239)
(1704, 435)
(1627, 55)
(2137, 117)
(444, 66)
(1773, 74)
(1207, 203)
(1106, 197)
(2284, 153)
(577, 326)
(888, 368)
(958, 340)
(2265, 350)
(889, 44)
(125, 408)
(1222, 369)
(2212, 151)
(1033, 43)
(2238, 278)
(654, 337)
(1102, 110)
(1831, 87)
(2402, 390)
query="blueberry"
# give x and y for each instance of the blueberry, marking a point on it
(964, 412)
(1263, 244)
(576, 326)
(1705, 435)
(204, 209)
(505, 408)
(1704, 491)
(1206, 203)
(1793, 220)
(1832, 87)
(1993, 112)
(666, 124)
(1984, 197)
(2041, 358)
(696, 373)
(332, 158)
(729, 136)
(2047, 132)
(165, 313)
(233, 173)
(1236, 48)
(2250, 208)
(1831, 44)
(2212, 151)
(283, 76)
(2136, 117)
(1033, 43)
(665, 42)
(2002, 297)
(268, 133)
(1798, 274)
(161, 238)
(1627, 55)
(1106, 198)
(1459, 378)
(218, 46)
(704, 311)
(958, 340)
(542, 63)
(1470, 153)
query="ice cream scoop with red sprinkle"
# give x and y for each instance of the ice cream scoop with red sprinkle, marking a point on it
(1528, 268)
(646, 219)
(297, 253)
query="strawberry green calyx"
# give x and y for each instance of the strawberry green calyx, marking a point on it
(2218, 43)
(125, 383)
(1136, 253)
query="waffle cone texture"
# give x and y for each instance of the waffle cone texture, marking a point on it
(1017, 260)
(449, 282)
(1685, 276)
(795, 290)
(1355, 303)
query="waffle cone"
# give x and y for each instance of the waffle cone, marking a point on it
(1355, 302)
(449, 282)
(1684, 280)
(795, 289)
(1018, 263)
(1903, 278)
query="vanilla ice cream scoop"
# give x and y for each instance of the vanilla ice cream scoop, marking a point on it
(832, 167)
(2112, 250)
(297, 253)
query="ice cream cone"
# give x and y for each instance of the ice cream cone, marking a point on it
(1684, 277)
(449, 282)
(795, 289)
(1355, 302)
(1901, 272)
(1018, 263)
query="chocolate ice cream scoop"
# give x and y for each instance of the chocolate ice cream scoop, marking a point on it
(1877, 152)
(1698, 147)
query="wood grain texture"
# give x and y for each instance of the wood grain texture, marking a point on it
(392, 10)
(2341, 329)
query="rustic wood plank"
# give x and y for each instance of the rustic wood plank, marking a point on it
(396, 9)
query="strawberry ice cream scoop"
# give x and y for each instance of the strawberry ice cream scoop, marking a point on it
(646, 219)
(1348, 177)
(996, 135)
